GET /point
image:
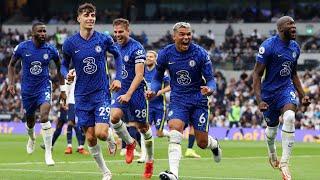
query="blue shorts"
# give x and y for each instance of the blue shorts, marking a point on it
(196, 114)
(97, 109)
(136, 108)
(32, 102)
(63, 115)
(157, 117)
(276, 103)
(71, 112)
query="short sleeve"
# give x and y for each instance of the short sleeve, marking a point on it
(139, 55)
(17, 51)
(66, 48)
(265, 51)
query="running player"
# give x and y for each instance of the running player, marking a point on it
(87, 51)
(187, 64)
(277, 58)
(35, 55)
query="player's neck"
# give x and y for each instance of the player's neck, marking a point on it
(86, 33)
(36, 43)
(151, 67)
(284, 39)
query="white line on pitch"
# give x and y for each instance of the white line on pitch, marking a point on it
(130, 174)
(184, 159)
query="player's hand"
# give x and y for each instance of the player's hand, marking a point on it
(305, 101)
(206, 91)
(64, 106)
(11, 89)
(263, 106)
(71, 75)
(150, 94)
(115, 85)
(63, 98)
(124, 99)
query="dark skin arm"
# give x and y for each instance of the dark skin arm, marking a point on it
(11, 74)
(63, 95)
(257, 75)
(304, 100)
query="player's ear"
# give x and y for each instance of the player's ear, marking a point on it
(78, 19)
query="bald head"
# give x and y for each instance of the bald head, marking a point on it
(284, 19)
(286, 28)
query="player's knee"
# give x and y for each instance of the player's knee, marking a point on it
(271, 132)
(159, 133)
(288, 121)
(91, 139)
(202, 143)
(175, 137)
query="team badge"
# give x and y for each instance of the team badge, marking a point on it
(45, 56)
(294, 54)
(192, 63)
(98, 49)
(126, 58)
(261, 50)
(170, 113)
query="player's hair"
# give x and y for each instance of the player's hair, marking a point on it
(121, 21)
(86, 7)
(34, 25)
(179, 25)
(153, 52)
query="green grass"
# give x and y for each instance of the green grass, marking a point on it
(241, 160)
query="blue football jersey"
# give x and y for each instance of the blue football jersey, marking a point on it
(148, 76)
(280, 60)
(132, 53)
(89, 60)
(188, 71)
(35, 65)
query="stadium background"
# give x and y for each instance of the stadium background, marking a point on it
(231, 31)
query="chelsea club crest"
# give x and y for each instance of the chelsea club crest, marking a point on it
(98, 49)
(294, 54)
(126, 58)
(45, 56)
(192, 63)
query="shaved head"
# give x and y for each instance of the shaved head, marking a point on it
(281, 21)
(286, 28)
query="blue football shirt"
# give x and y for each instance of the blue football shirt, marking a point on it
(35, 66)
(157, 101)
(89, 60)
(132, 53)
(188, 71)
(280, 60)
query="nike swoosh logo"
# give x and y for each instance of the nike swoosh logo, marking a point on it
(28, 54)
(76, 51)
(172, 62)
(279, 55)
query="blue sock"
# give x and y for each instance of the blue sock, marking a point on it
(69, 134)
(133, 132)
(138, 138)
(56, 134)
(191, 141)
(79, 134)
(123, 145)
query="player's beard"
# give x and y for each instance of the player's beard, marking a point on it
(288, 35)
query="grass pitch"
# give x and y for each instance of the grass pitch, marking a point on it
(242, 160)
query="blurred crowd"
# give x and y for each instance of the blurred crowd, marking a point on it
(239, 49)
